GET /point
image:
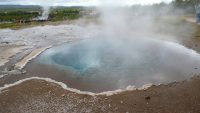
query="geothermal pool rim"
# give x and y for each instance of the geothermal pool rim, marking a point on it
(76, 90)
(64, 86)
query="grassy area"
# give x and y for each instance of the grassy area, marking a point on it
(10, 16)
(70, 13)
(17, 15)
(11, 8)
(16, 26)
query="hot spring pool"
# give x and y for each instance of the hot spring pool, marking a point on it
(99, 65)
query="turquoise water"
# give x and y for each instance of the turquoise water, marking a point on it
(107, 64)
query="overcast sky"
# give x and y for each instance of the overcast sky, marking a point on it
(80, 2)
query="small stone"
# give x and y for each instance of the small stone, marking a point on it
(63, 95)
(109, 105)
(148, 98)
(121, 102)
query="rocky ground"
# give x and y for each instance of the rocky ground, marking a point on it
(16, 44)
(44, 97)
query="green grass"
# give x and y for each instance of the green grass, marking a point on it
(19, 26)
(9, 25)
(12, 14)
(17, 15)
(65, 14)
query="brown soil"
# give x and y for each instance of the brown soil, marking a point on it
(38, 96)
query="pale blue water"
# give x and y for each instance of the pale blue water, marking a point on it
(117, 63)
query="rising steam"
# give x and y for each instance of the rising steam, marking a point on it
(128, 47)
(45, 13)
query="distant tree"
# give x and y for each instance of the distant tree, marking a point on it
(185, 3)
(189, 6)
(196, 5)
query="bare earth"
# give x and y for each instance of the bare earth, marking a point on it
(38, 96)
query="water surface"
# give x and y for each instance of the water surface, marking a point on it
(100, 64)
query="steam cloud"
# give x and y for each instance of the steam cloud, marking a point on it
(45, 13)
(130, 35)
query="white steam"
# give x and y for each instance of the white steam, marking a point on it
(45, 13)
